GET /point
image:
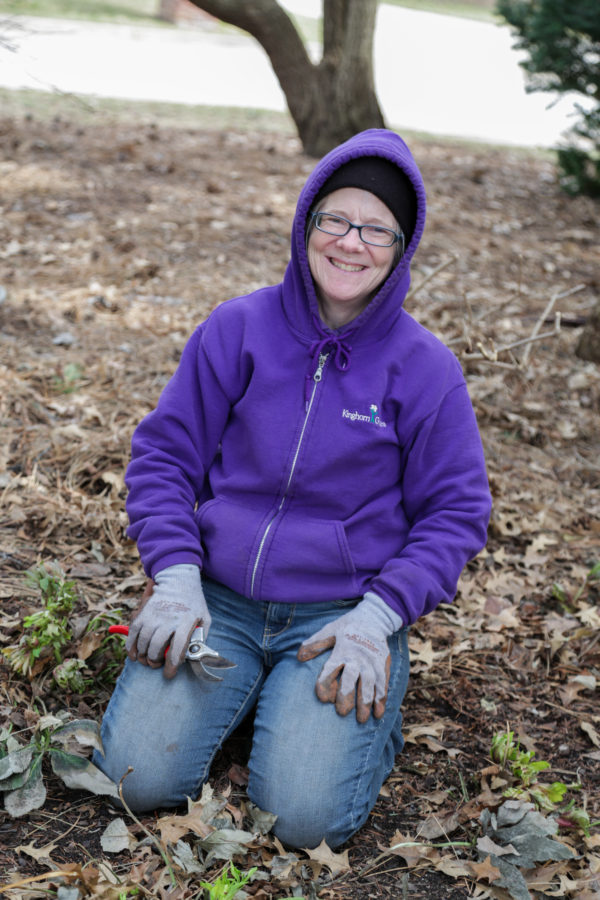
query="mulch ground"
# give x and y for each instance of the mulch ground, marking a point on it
(116, 238)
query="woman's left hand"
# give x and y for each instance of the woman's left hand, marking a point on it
(358, 670)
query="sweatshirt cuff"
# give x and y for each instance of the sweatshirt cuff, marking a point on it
(175, 559)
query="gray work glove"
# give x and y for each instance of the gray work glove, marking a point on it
(171, 608)
(360, 655)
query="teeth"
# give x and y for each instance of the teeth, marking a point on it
(345, 267)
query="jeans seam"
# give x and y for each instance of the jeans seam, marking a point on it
(358, 782)
(269, 634)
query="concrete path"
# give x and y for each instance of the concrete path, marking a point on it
(437, 74)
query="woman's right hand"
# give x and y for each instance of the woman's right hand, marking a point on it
(172, 607)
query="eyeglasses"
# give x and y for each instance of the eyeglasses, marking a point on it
(369, 234)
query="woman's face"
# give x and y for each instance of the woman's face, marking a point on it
(345, 270)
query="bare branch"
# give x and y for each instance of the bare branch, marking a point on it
(432, 274)
(557, 296)
(492, 355)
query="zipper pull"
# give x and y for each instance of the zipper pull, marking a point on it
(311, 381)
(319, 372)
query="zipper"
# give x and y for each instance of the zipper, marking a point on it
(318, 375)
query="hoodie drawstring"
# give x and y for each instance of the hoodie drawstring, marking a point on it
(333, 343)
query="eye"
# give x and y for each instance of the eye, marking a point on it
(332, 221)
(378, 234)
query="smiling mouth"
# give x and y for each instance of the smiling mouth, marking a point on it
(345, 267)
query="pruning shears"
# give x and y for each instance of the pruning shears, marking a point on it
(202, 658)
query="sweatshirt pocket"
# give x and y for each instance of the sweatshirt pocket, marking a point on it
(304, 560)
(228, 534)
(288, 558)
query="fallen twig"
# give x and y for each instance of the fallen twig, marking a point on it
(444, 845)
(432, 274)
(46, 876)
(586, 462)
(492, 355)
(560, 295)
(163, 853)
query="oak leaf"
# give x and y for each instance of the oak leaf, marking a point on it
(485, 870)
(335, 862)
(40, 854)
(412, 852)
(173, 827)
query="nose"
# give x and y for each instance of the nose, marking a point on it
(351, 240)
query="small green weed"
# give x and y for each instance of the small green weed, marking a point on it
(107, 659)
(522, 769)
(227, 884)
(70, 379)
(69, 675)
(47, 638)
(46, 632)
(567, 601)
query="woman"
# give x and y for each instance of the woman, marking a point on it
(312, 480)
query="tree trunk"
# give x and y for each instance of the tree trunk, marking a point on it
(328, 101)
(588, 346)
(166, 10)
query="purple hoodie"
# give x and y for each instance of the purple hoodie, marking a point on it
(294, 463)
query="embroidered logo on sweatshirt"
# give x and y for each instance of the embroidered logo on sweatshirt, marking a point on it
(371, 419)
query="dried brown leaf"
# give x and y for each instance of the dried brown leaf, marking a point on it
(486, 845)
(484, 870)
(174, 827)
(414, 853)
(335, 862)
(453, 867)
(116, 837)
(591, 732)
(40, 854)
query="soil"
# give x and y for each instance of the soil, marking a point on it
(116, 239)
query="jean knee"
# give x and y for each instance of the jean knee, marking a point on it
(304, 819)
(143, 787)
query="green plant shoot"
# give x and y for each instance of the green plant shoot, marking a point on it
(227, 884)
(47, 631)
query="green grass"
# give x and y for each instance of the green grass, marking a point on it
(125, 12)
(47, 106)
(139, 12)
(143, 12)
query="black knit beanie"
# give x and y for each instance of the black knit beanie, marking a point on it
(382, 178)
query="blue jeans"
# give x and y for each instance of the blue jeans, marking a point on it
(319, 772)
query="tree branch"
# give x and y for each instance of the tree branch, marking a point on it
(270, 24)
(545, 314)
(492, 355)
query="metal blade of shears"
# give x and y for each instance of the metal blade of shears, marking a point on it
(202, 658)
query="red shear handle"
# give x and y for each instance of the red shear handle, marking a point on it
(124, 629)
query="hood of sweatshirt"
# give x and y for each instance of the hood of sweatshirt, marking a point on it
(299, 294)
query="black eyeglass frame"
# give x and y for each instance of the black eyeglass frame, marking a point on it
(398, 235)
